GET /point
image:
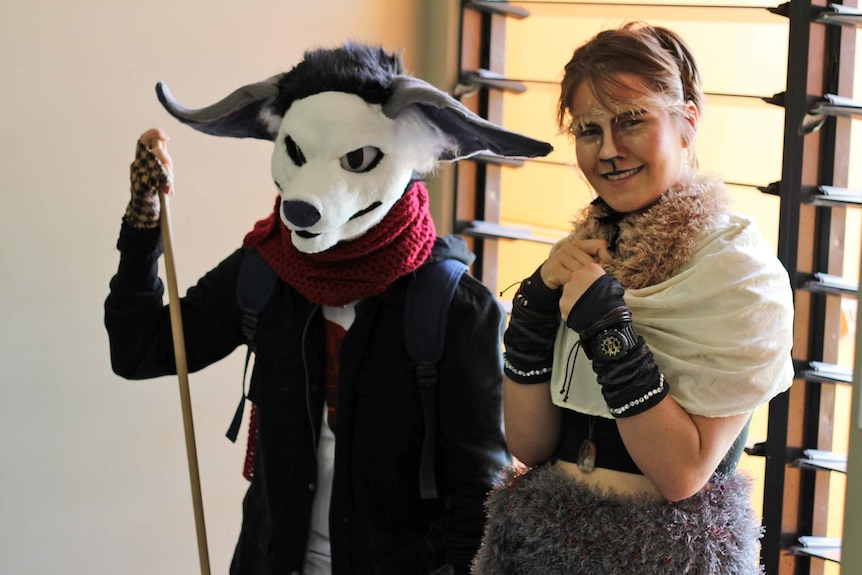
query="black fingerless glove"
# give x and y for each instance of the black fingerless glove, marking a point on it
(604, 295)
(624, 365)
(532, 330)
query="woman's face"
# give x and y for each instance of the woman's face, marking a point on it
(629, 158)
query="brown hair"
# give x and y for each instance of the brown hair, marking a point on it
(658, 56)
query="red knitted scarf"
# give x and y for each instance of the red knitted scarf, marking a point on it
(358, 268)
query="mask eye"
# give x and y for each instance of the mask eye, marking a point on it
(293, 151)
(361, 160)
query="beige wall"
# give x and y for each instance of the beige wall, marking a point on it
(93, 473)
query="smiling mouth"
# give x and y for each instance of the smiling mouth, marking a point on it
(621, 174)
(361, 213)
(309, 235)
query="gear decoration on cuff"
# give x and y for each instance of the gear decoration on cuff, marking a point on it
(611, 344)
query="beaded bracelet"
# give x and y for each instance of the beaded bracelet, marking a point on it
(645, 400)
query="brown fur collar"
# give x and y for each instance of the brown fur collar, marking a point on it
(653, 245)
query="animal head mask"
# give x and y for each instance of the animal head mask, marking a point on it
(351, 130)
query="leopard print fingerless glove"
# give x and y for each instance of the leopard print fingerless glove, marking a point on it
(148, 177)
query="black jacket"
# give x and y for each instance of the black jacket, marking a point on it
(378, 522)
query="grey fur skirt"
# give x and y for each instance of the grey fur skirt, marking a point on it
(544, 522)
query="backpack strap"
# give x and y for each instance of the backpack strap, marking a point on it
(254, 287)
(425, 317)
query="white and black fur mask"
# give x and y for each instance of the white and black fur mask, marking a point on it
(351, 131)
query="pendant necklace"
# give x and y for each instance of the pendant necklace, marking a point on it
(587, 454)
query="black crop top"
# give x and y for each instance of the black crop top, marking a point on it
(611, 452)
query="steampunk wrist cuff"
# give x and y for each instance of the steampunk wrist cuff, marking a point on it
(529, 339)
(603, 296)
(632, 385)
(533, 294)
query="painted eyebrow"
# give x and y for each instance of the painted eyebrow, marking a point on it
(629, 115)
(583, 121)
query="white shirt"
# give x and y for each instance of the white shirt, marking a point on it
(318, 557)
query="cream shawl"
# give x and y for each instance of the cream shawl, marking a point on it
(715, 306)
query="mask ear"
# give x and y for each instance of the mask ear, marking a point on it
(241, 114)
(473, 133)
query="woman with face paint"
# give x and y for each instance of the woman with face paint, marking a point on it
(638, 350)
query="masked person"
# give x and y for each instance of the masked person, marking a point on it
(339, 480)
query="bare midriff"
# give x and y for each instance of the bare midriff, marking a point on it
(619, 482)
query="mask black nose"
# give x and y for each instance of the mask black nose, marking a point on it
(300, 214)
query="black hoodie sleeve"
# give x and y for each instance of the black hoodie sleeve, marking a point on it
(139, 324)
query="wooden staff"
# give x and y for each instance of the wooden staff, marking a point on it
(182, 372)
